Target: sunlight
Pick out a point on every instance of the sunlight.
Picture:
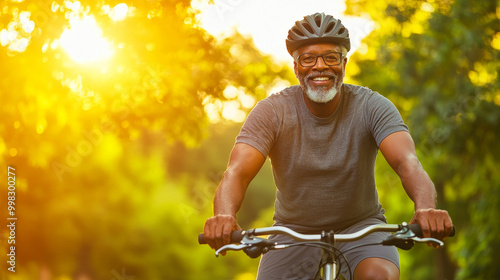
(269, 30)
(84, 42)
(17, 35)
(119, 12)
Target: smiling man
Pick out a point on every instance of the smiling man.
(323, 85)
(322, 137)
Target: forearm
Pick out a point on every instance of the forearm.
(417, 183)
(229, 195)
(399, 150)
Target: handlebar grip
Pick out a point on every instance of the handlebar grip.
(236, 236)
(418, 231)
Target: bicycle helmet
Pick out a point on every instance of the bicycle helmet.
(317, 28)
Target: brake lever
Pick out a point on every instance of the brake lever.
(428, 240)
(261, 246)
(411, 235)
(404, 239)
(234, 247)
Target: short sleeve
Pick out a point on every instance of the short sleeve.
(260, 127)
(383, 118)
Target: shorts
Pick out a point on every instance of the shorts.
(301, 262)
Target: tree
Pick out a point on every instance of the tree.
(439, 62)
(89, 136)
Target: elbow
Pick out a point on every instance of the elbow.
(237, 176)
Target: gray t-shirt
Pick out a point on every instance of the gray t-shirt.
(323, 167)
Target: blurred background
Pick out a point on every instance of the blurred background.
(119, 116)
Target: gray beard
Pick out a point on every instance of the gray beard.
(322, 95)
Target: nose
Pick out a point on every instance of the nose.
(320, 64)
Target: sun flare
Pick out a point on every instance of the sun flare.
(84, 42)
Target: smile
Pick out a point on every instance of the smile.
(321, 79)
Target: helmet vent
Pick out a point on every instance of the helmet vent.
(330, 27)
(298, 31)
(317, 19)
(342, 30)
(308, 28)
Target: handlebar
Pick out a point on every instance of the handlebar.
(415, 228)
(404, 237)
(237, 235)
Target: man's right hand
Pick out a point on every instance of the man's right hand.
(218, 230)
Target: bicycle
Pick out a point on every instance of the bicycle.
(404, 237)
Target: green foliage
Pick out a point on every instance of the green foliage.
(101, 190)
(184, 163)
(439, 62)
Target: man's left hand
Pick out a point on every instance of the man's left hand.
(434, 223)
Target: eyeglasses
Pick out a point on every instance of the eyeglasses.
(310, 59)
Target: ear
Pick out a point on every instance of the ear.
(345, 62)
(295, 69)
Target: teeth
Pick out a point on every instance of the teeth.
(321, 79)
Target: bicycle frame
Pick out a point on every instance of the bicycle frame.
(329, 269)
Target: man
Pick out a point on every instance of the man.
(322, 138)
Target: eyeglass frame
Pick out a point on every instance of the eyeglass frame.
(322, 57)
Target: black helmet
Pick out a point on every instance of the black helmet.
(317, 28)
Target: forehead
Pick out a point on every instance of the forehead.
(319, 48)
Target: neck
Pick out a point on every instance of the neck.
(322, 110)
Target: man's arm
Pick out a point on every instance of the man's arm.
(399, 151)
(244, 163)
